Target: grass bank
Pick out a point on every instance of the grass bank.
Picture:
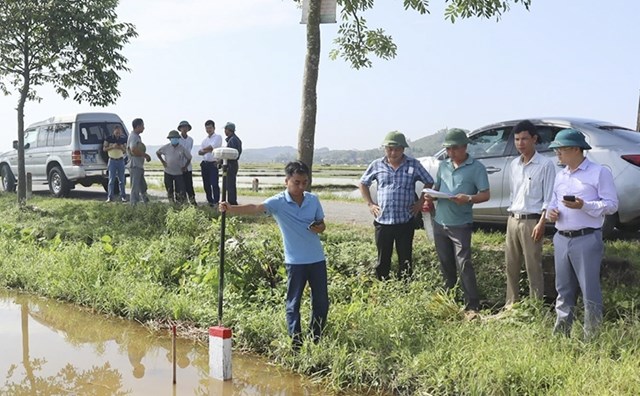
(155, 263)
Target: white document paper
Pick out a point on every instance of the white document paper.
(437, 194)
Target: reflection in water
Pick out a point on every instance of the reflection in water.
(51, 348)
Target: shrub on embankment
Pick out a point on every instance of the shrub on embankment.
(156, 262)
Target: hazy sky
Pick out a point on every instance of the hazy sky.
(242, 61)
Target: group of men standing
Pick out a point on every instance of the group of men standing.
(577, 199)
(176, 159)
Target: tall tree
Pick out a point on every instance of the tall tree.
(356, 42)
(73, 45)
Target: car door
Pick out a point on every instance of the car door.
(490, 147)
(40, 153)
(30, 149)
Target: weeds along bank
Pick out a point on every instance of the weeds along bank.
(156, 262)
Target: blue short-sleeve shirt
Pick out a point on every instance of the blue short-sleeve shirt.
(469, 178)
(301, 246)
(396, 187)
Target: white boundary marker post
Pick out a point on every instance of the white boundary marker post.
(220, 353)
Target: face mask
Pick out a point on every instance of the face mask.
(174, 141)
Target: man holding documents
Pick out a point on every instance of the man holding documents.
(396, 175)
(464, 181)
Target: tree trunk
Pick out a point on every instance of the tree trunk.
(306, 134)
(22, 176)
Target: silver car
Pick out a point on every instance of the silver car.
(63, 151)
(614, 147)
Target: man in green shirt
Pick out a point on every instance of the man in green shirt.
(467, 183)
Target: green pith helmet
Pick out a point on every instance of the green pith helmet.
(455, 137)
(395, 139)
(569, 138)
(173, 134)
(184, 123)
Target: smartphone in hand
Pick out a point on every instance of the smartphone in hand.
(569, 198)
(313, 224)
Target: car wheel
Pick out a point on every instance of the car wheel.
(8, 180)
(59, 185)
(610, 223)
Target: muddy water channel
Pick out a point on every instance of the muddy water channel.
(52, 348)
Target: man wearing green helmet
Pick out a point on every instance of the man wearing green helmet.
(396, 175)
(583, 193)
(467, 183)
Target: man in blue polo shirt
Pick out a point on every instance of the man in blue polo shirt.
(467, 183)
(396, 175)
(300, 218)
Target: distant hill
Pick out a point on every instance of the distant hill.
(427, 145)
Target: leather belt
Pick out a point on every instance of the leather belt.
(577, 233)
(116, 159)
(525, 216)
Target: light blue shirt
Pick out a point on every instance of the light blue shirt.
(301, 245)
(469, 178)
(593, 184)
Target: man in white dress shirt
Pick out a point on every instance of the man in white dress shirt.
(209, 166)
(531, 177)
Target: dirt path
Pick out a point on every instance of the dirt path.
(355, 213)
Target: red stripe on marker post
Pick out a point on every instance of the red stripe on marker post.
(220, 332)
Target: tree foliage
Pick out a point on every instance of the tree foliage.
(356, 41)
(74, 45)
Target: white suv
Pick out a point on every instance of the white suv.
(63, 151)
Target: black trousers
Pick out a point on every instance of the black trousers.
(175, 187)
(232, 173)
(188, 186)
(402, 236)
(210, 181)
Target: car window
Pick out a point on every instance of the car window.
(546, 134)
(43, 134)
(30, 138)
(490, 143)
(94, 133)
(62, 135)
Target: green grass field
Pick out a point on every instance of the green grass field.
(157, 263)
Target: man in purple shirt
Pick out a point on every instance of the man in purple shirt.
(583, 194)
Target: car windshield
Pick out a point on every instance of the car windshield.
(628, 134)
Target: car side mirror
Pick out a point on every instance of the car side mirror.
(15, 144)
(26, 146)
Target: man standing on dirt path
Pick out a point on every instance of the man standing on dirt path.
(300, 218)
(209, 165)
(531, 186)
(396, 175)
(116, 146)
(138, 154)
(583, 194)
(186, 141)
(465, 181)
(233, 141)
